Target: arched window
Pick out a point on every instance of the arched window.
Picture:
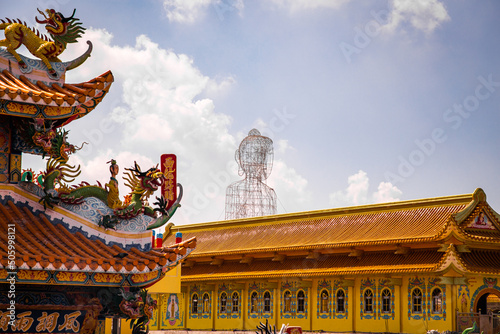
(386, 301)
(437, 300)
(340, 301)
(267, 302)
(368, 297)
(287, 297)
(325, 302)
(416, 300)
(194, 303)
(301, 302)
(223, 302)
(254, 301)
(206, 303)
(236, 302)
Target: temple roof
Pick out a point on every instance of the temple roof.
(405, 222)
(416, 261)
(27, 98)
(49, 249)
(373, 263)
(419, 236)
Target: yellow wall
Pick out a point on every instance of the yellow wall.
(400, 319)
(170, 283)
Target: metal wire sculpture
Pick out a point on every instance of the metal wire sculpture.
(251, 197)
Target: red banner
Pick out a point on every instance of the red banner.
(169, 187)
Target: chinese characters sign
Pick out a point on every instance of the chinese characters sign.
(169, 187)
(38, 321)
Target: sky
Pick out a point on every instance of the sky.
(365, 101)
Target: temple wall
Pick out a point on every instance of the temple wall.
(405, 310)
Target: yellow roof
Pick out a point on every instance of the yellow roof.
(405, 222)
(373, 263)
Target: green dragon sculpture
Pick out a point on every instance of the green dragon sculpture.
(142, 184)
(473, 329)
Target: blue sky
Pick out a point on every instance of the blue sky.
(366, 101)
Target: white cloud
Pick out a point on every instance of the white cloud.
(298, 5)
(290, 187)
(357, 192)
(424, 15)
(386, 193)
(188, 11)
(160, 111)
(219, 86)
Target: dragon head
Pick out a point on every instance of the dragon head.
(144, 183)
(62, 29)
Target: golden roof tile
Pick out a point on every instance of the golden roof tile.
(420, 261)
(402, 222)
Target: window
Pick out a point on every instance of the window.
(386, 301)
(301, 302)
(267, 302)
(437, 300)
(223, 302)
(206, 303)
(325, 302)
(236, 303)
(194, 303)
(368, 296)
(287, 296)
(254, 302)
(416, 299)
(340, 301)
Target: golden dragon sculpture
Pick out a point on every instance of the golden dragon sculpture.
(63, 30)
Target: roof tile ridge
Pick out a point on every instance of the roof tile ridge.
(22, 251)
(478, 196)
(61, 236)
(324, 214)
(104, 247)
(26, 235)
(49, 89)
(40, 228)
(448, 228)
(85, 244)
(316, 246)
(302, 273)
(83, 248)
(8, 83)
(29, 84)
(451, 252)
(94, 244)
(479, 237)
(145, 255)
(128, 262)
(11, 86)
(15, 80)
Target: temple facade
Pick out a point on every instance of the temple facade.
(74, 258)
(403, 267)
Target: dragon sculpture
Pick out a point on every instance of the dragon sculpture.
(63, 30)
(142, 185)
(131, 303)
(49, 141)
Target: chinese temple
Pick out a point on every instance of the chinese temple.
(402, 267)
(72, 256)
